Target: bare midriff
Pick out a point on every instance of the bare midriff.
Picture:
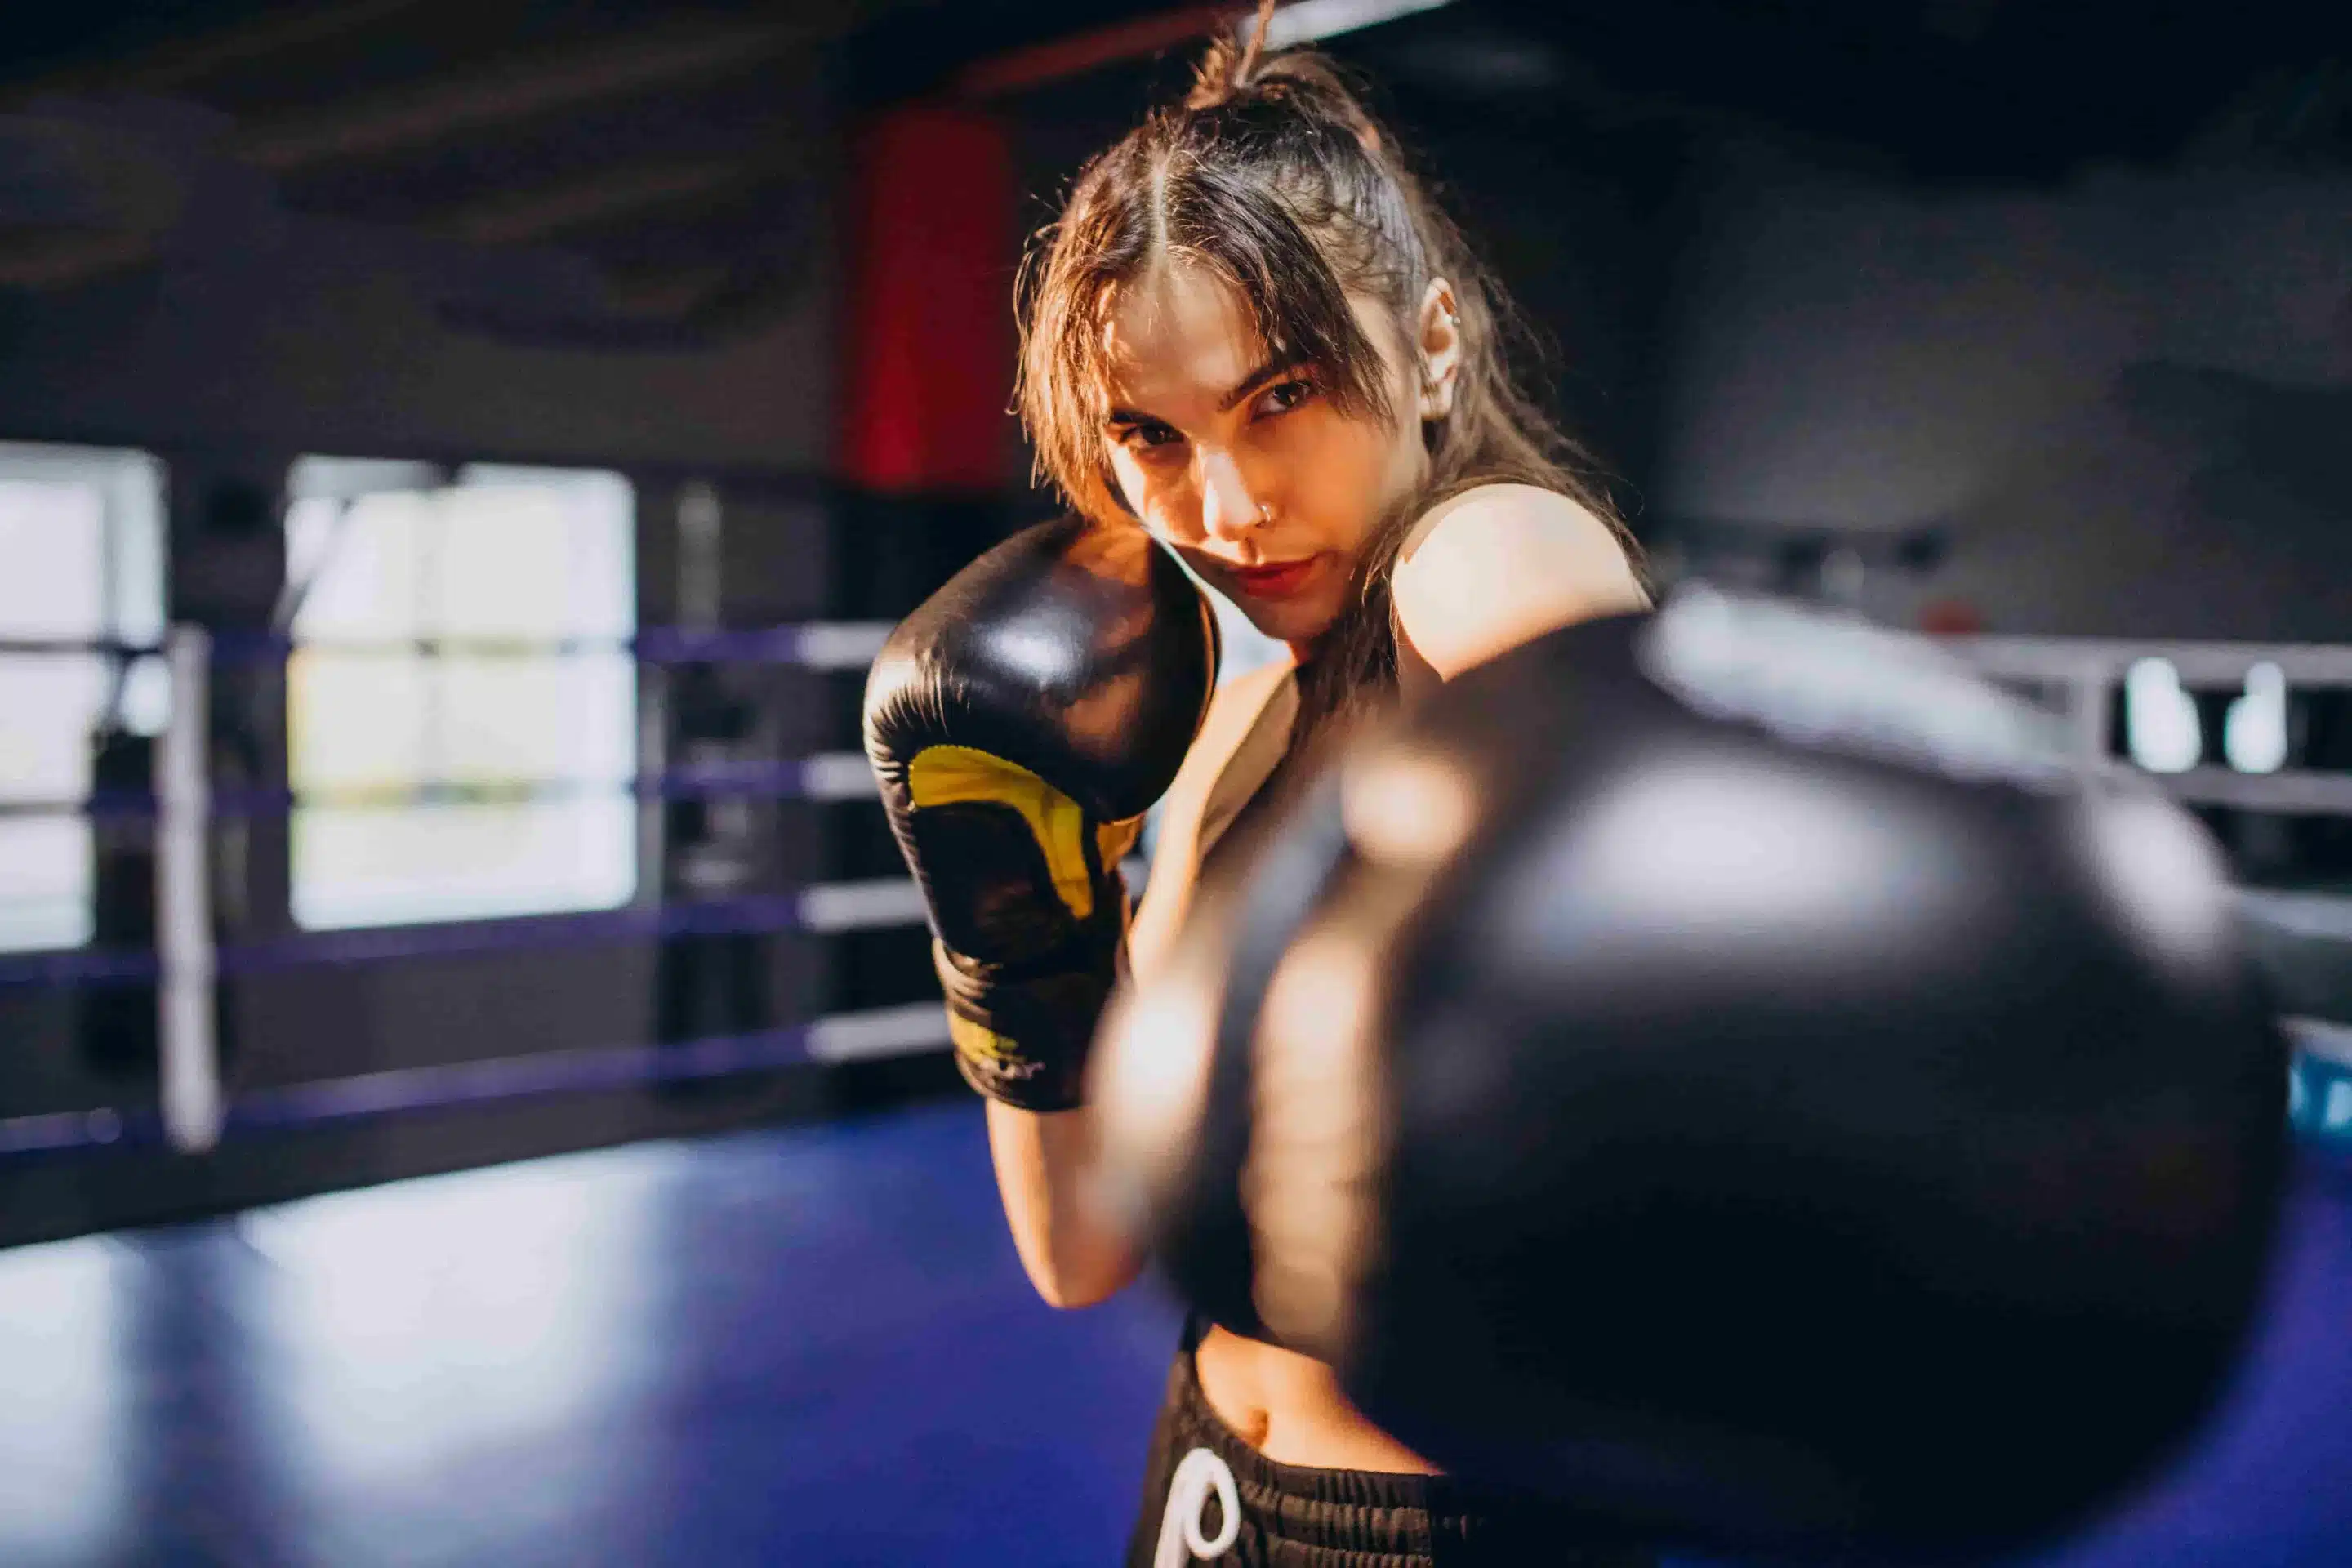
(1289, 1407)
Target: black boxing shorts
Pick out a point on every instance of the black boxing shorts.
(1210, 1498)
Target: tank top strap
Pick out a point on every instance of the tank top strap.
(1251, 766)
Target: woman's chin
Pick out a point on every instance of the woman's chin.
(1294, 622)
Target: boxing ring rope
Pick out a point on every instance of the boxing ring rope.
(839, 1037)
(195, 1110)
(2082, 672)
(830, 648)
(821, 908)
(823, 646)
(821, 776)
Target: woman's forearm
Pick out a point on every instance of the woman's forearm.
(1073, 1253)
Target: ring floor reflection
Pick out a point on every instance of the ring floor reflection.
(810, 1345)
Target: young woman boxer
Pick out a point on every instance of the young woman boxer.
(1253, 336)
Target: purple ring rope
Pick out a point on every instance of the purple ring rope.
(650, 645)
(407, 1091)
(698, 781)
(756, 915)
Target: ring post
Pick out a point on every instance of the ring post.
(184, 927)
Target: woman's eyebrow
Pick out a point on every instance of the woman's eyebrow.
(1271, 370)
(1224, 405)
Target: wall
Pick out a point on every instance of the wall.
(2125, 398)
(262, 324)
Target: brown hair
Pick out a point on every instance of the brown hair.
(1272, 174)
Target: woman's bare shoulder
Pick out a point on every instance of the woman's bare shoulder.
(1486, 570)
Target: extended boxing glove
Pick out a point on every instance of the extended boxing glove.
(1727, 1072)
(1020, 724)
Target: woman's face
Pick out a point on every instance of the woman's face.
(1239, 463)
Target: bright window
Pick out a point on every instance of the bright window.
(449, 761)
(81, 558)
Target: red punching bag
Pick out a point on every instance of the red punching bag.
(930, 342)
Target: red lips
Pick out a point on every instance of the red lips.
(1276, 580)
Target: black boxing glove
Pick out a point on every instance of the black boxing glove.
(1726, 1072)
(1020, 723)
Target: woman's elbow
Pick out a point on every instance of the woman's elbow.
(1070, 1295)
(1074, 1251)
(1072, 1279)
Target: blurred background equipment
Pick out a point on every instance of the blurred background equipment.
(543, 412)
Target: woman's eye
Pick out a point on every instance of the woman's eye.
(1284, 396)
(1148, 437)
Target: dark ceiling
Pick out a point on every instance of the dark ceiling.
(673, 148)
(1995, 84)
(1969, 90)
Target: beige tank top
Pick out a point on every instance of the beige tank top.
(1238, 749)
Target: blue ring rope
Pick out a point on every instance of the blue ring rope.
(2320, 1092)
(648, 644)
(754, 915)
(698, 781)
(408, 1090)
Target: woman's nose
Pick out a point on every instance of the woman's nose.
(1228, 510)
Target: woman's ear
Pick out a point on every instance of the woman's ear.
(1440, 341)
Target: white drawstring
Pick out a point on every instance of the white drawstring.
(1201, 1474)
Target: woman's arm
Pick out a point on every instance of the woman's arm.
(1075, 1256)
(1483, 572)
(1495, 567)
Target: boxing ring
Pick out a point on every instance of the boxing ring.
(194, 1108)
(2079, 679)
(760, 1346)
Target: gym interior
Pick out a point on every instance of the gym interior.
(473, 1083)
